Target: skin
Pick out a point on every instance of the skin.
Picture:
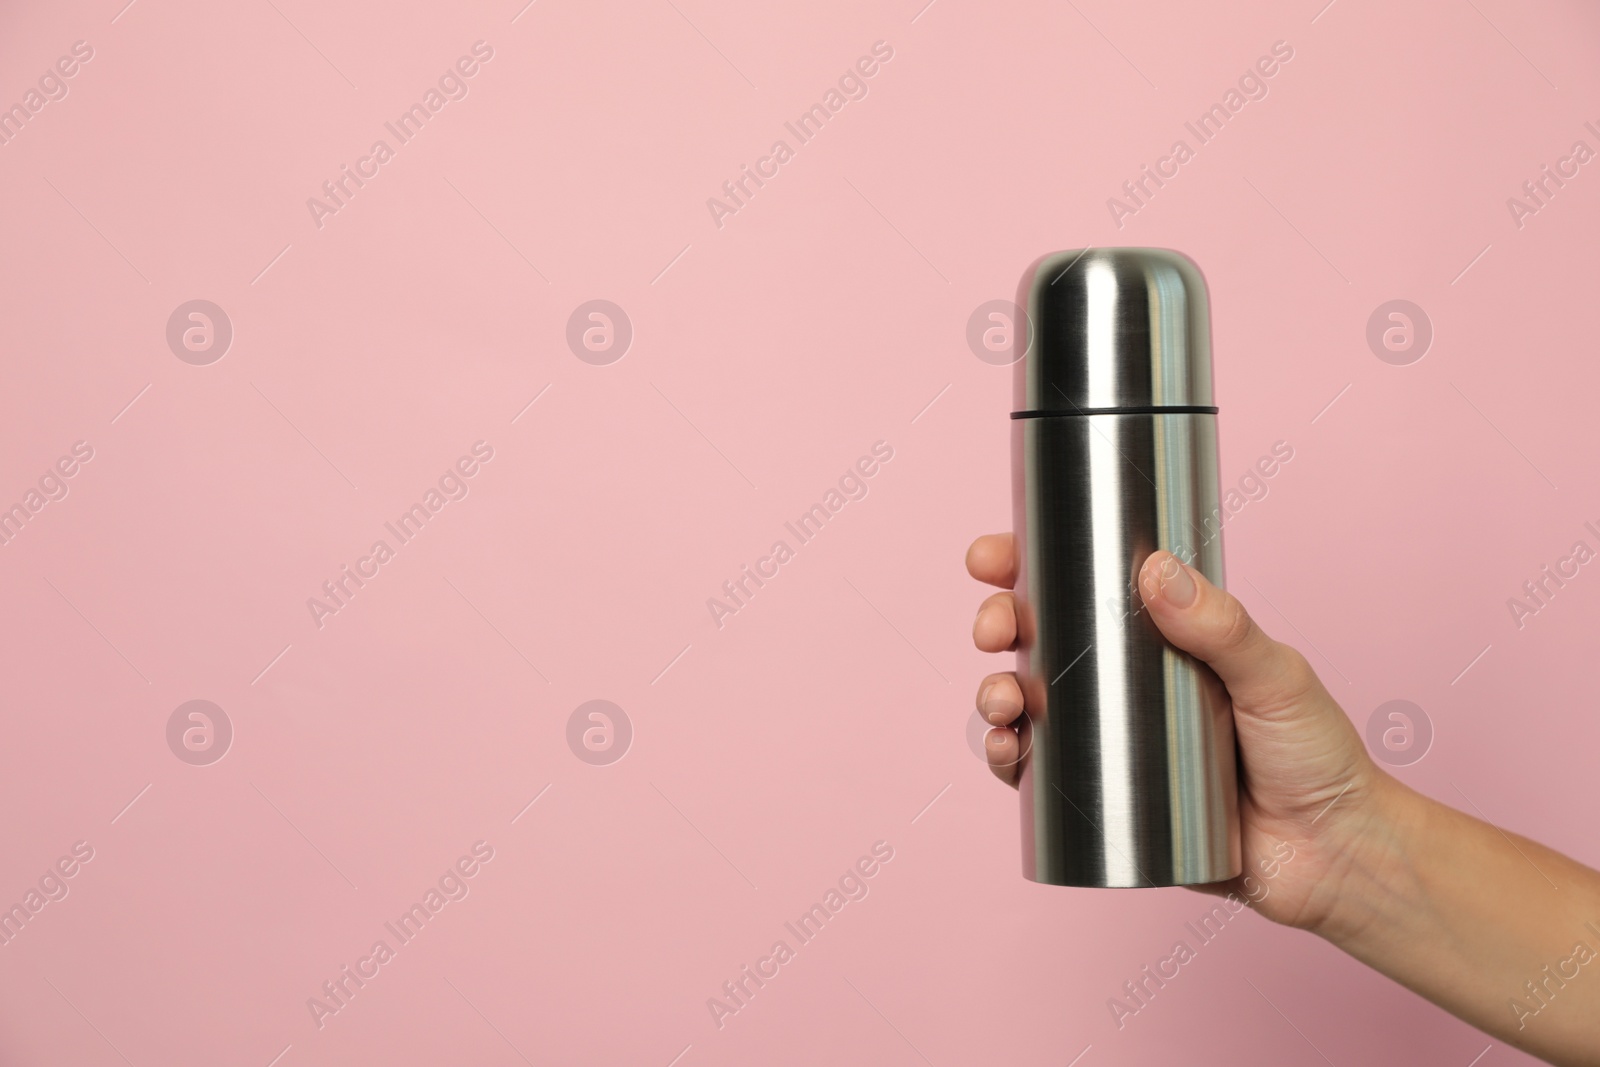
(1459, 911)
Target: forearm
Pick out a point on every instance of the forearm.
(1492, 927)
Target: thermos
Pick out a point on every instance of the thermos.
(1129, 774)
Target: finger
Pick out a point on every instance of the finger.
(992, 559)
(1263, 676)
(1000, 698)
(995, 628)
(1004, 750)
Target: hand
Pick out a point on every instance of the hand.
(1305, 776)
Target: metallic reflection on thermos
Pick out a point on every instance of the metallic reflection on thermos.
(1130, 776)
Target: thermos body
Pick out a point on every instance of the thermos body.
(1129, 775)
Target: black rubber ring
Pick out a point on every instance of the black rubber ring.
(1192, 409)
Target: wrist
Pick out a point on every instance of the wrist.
(1371, 875)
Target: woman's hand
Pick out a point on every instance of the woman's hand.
(1306, 779)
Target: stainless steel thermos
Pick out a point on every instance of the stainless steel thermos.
(1129, 775)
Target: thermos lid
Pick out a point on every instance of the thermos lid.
(1114, 330)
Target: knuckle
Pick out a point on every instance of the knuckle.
(1295, 664)
(1299, 679)
(1235, 628)
(1287, 684)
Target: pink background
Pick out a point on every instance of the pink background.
(828, 314)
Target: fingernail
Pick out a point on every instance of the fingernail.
(983, 698)
(1179, 590)
(996, 738)
(997, 709)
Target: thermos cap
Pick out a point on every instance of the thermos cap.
(1114, 330)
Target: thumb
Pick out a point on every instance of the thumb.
(1263, 676)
